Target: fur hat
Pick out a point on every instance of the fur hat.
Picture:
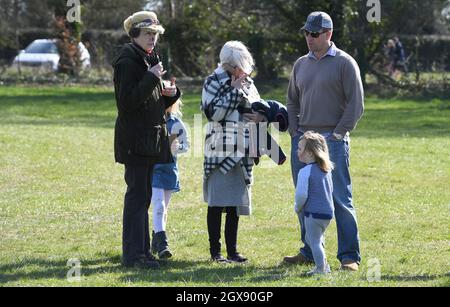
(143, 20)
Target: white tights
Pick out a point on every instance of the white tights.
(160, 203)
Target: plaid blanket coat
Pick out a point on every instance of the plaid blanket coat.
(227, 136)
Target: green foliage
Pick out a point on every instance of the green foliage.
(68, 34)
(108, 14)
(198, 28)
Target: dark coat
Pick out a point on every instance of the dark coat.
(141, 136)
(274, 112)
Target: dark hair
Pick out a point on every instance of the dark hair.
(134, 32)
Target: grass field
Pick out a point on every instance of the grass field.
(61, 197)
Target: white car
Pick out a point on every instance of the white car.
(44, 53)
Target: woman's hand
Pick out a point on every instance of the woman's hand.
(158, 70)
(238, 83)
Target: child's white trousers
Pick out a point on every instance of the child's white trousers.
(160, 203)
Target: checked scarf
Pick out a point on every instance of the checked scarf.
(227, 136)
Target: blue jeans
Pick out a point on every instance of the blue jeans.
(345, 214)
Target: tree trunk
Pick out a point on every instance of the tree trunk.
(417, 59)
(68, 34)
(172, 9)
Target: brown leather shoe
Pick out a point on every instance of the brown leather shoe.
(297, 259)
(349, 265)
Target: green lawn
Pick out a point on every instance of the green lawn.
(61, 197)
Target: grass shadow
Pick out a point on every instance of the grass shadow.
(38, 268)
(424, 277)
(195, 271)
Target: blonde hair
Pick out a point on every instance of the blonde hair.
(175, 109)
(316, 144)
(235, 54)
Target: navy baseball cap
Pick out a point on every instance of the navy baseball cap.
(317, 21)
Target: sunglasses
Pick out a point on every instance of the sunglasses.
(313, 34)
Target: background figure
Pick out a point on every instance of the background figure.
(395, 54)
(390, 53)
(400, 55)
